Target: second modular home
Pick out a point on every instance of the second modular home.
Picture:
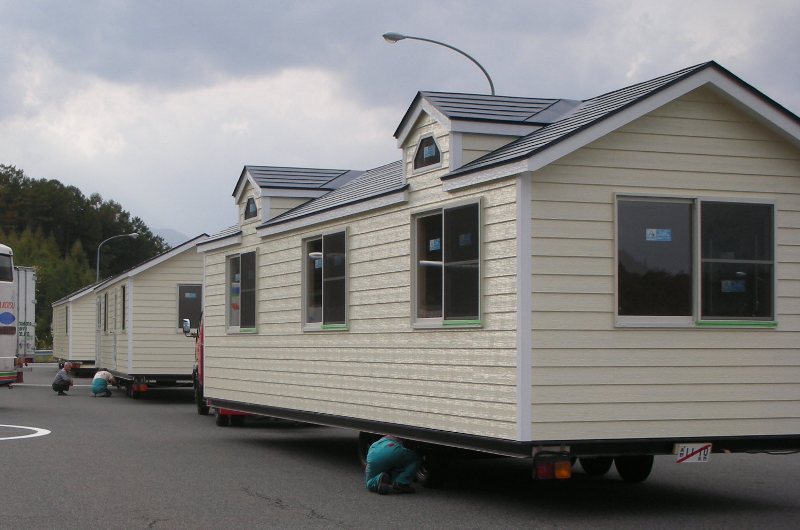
(610, 276)
(130, 324)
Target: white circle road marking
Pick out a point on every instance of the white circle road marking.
(36, 432)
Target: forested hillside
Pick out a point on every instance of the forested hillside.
(56, 229)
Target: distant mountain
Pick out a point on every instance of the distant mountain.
(172, 237)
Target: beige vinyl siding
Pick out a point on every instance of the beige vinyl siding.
(60, 336)
(592, 380)
(460, 380)
(159, 347)
(474, 146)
(279, 205)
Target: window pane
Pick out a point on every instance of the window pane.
(248, 298)
(429, 266)
(234, 291)
(250, 209)
(655, 258)
(333, 273)
(6, 268)
(190, 299)
(736, 231)
(737, 290)
(314, 281)
(427, 153)
(461, 258)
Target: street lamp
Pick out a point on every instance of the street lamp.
(133, 235)
(392, 38)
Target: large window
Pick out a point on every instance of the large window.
(325, 281)
(427, 153)
(447, 271)
(190, 304)
(662, 277)
(242, 291)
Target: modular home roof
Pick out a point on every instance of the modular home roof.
(593, 111)
(234, 230)
(371, 184)
(297, 178)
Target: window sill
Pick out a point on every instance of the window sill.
(326, 327)
(447, 324)
(757, 324)
(240, 331)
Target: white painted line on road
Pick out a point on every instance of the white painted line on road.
(36, 432)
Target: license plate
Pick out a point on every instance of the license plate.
(692, 453)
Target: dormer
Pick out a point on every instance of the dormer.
(264, 192)
(442, 129)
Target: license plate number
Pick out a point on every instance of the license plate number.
(692, 453)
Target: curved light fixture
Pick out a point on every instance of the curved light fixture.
(393, 37)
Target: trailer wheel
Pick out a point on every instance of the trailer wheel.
(634, 468)
(432, 469)
(222, 420)
(596, 466)
(365, 440)
(236, 421)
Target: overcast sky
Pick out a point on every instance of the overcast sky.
(159, 104)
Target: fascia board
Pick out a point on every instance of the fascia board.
(339, 213)
(486, 175)
(219, 243)
(423, 106)
(299, 193)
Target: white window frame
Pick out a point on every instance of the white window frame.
(239, 329)
(695, 319)
(440, 322)
(430, 167)
(321, 326)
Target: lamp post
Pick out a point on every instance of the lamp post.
(392, 38)
(133, 235)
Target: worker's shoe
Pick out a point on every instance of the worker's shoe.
(62, 393)
(385, 485)
(402, 488)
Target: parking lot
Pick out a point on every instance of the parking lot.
(154, 463)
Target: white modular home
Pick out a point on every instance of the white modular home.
(130, 324)
(73, 327)
(616, 277)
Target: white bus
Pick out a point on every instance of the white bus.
(8, 317)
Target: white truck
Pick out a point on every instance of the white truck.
(25, 287)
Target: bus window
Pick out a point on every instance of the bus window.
(6, 269)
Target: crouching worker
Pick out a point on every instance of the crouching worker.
(63, 381)
(100, 383)
(390, 466)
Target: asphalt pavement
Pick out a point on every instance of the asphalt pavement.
(154, 462)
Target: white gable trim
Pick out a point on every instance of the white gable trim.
(336, 214)
(426, 107)
(153, 262)
(524, 187)
(219, 243)
(738, 95)
(237, 193)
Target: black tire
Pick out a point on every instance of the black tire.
(222, 420)
(433, 468)
(236, 421)
(634, 468)
(200, 400)
(365, 440)
(596, 466)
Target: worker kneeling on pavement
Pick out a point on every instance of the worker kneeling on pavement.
(390, 466)
(100, 383)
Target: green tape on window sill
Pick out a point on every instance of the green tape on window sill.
(462, 323)
(334, 327)
(736, 324)
(248, 330)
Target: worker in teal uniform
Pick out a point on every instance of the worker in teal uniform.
(391, 466)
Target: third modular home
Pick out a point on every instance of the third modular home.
(610, 279)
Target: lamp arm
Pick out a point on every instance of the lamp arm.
(465, 54)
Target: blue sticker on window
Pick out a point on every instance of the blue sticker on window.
(429, 151)
(434, 244)
(734, 286)
(658, 234)
(235, 289)
(465, 240)
(190, 296)
(318, 263)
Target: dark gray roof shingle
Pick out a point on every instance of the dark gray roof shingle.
(300, 178)
(369, 185)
